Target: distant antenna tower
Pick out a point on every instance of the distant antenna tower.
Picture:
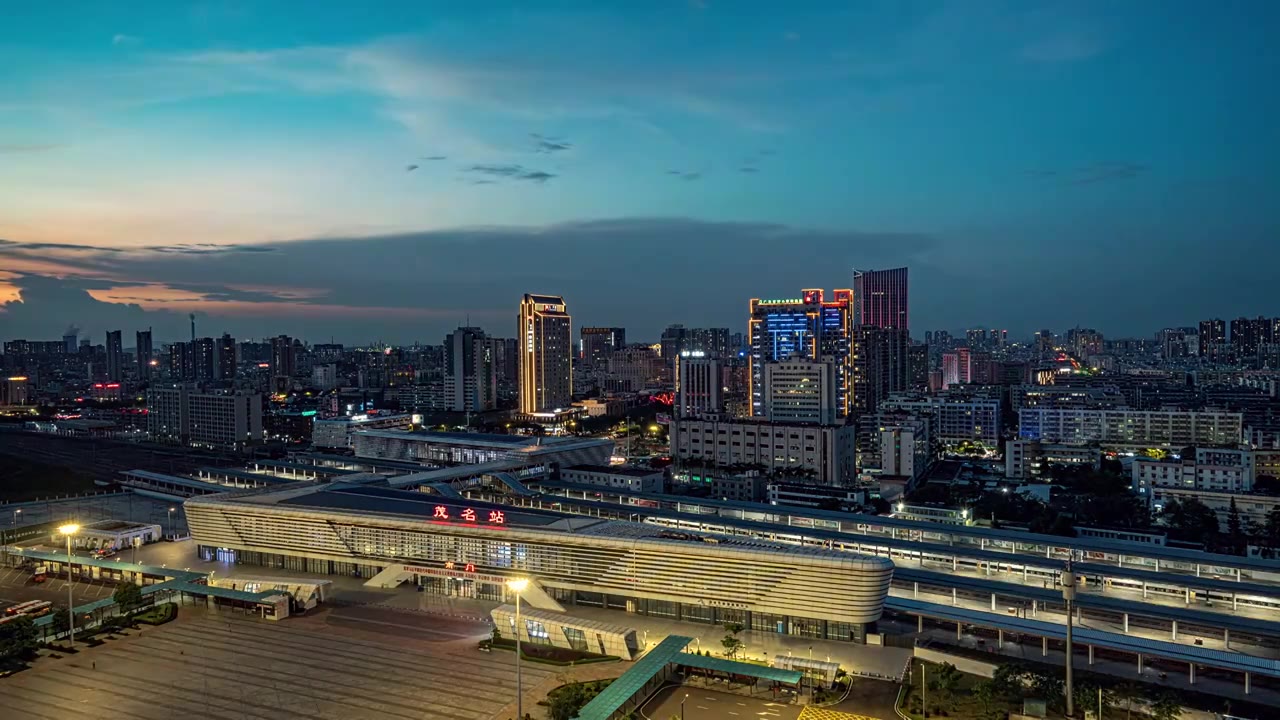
(193, 327)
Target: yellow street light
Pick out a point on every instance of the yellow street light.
(518, 585)
(70, 529)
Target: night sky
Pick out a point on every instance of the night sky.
(376, 171)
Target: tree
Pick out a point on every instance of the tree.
(18, 637)
(731, 642)
(61, 621)
(1191, 520)
(986, 693)
(945, 681)
(1164, 706)
(1007, 680)
(1235, 530)
(1126, 693)
(127, 595)
(1272, 531)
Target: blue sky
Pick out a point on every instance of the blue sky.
(1033, 163)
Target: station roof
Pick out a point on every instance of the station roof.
(286, 465)
(110, 564)
(1086, 636)
(451, 474)
(633, 680)
(177, 480)
(409, 503)
(1008, 590)
(733, 667)
(246, 475)
(1085, 544)
(963, 550)
(319, 457)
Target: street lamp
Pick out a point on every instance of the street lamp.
(686, 697)
(69, 530)
(1069, 596)
(517, 586)
(171, 521)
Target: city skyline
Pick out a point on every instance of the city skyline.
(384, 176)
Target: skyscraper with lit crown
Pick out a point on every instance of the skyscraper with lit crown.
(545, 335)
(810, 326)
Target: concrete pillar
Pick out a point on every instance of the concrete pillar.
(1024, 573)
(953, 596)
(999, 638)
(959, 625)
(1090, 654)
(993, 602)
(1191, 667)
(1144, 591)
(1175, 629)
(1197, 569)
(1237, 574)
(953, 563)
(915, 589)
(919, 623)
(1226, 637)
(1157, 564)
(988, 569)
(1247, 682)
(1044, 646)
(1048, 551)
(1188, 596)
(1035, 606)
(1139, 663)
(1234, 606)
(1126, 623)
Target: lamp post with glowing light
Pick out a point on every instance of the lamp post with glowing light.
(517, 586)
(171, 521)
(69, 530)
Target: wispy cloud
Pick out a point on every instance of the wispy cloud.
(33, 148)
(179, 249)
(122, 39)
(547, 145)
(513, 172)
(686, 174)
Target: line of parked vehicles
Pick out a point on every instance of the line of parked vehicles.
(32, 609)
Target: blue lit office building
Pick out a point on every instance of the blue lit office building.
(809, 326)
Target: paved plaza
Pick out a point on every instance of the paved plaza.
(348, 663)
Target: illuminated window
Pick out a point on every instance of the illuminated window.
(537, 631)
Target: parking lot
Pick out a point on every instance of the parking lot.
(351, 663)
(16, 587)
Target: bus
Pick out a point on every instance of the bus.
(40, 609)
(34, 608)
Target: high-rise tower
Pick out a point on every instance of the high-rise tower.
(546, 350)
(882, 298)
(115, 357)
(810, 327)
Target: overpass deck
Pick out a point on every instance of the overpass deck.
(1086, 636)
(1096, 601)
